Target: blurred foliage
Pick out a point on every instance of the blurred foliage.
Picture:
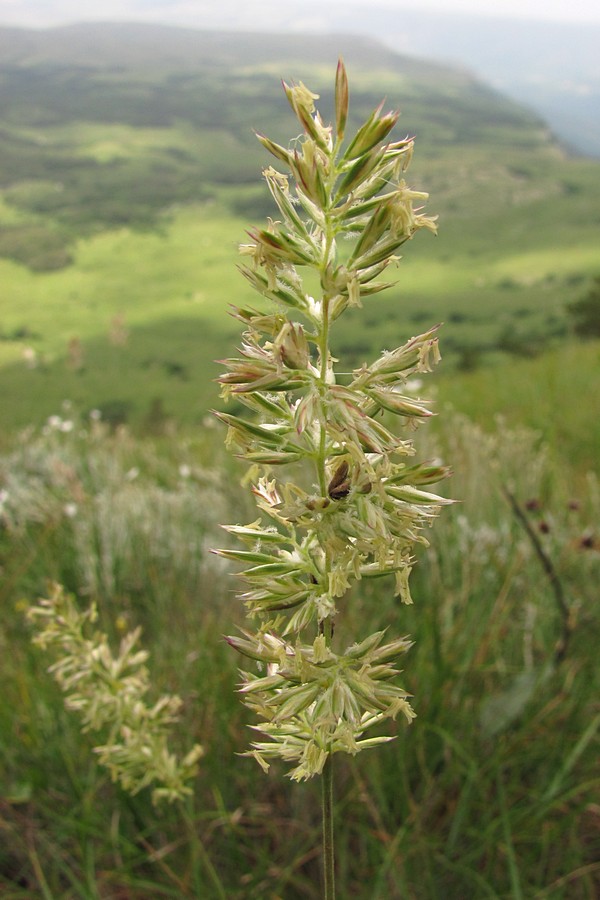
(585, 312)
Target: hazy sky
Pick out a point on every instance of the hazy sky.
(272, 14)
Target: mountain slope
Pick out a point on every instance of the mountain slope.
(129, 171)
(190, 101)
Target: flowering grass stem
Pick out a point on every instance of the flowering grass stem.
(328, 831)
(359, 515)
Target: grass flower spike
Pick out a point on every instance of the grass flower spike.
(338, 501)
(108, 691)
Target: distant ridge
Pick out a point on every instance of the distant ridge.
(160, 51)
(141, 45)
(551, 68)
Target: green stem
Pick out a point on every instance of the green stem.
(328, 850)
(198, 853)
(324, 354)
(327, 625)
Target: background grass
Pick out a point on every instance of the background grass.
(489, 793)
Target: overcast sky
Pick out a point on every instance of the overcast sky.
(272, 14)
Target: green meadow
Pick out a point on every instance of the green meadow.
(124, 193)
(141, 317)
(128, 178)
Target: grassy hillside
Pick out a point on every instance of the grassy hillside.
(129, 172)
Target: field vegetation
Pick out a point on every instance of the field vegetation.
(127, 179)
(490, 793)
